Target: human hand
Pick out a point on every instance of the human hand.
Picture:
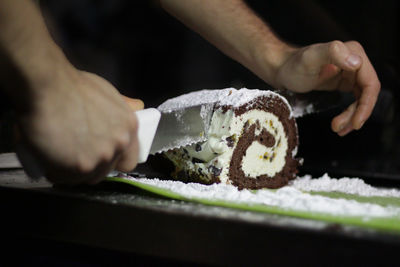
(333, 66)
(79, 128)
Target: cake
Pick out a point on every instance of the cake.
(251, 141)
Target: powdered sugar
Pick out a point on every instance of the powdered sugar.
(224, 97)
(347, 185)
(291, 197)
(300, 109)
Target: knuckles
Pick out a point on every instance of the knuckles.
(85, 164)
(106, 155)
(133, 123)
(308, 58)
(124, 168)
(378, 85)
(335, 47)
(106, 151)
(122, 140)
(355, 45)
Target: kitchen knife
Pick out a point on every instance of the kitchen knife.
(157, 132)
(307, 103)
(182, 127)
(162, 131)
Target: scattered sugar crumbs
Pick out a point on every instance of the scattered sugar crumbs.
(294, 196)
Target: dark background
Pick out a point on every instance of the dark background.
(148, 54)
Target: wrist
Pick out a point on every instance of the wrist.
(32, 73)
(29, 58)
(47, 69)
(268, 59)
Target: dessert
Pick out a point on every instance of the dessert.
(251, 141)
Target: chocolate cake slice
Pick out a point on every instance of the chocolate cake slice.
(251, 142)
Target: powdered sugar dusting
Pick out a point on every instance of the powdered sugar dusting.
(223, 97)
(290, 197)
(347, 185)
(300, 109)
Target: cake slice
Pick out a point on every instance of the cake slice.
(252, 140)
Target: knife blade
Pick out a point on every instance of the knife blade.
(181, 128)
(161, 131)
(189, 125)
(307, 103)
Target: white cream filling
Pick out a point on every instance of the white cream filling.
(259, 159)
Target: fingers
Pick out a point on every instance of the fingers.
(335, 52)
(342, 121)
(125, 157)
(329, 71)
(101, 171)
(366, 104)
(358, 76)
(368, 82)
(134, 104)
(129, 156)
(347, 129)
(366, 87)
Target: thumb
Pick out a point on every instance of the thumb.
(335, 52)
(134, 103)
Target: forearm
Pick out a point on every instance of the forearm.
(27, 52)
(236, 30)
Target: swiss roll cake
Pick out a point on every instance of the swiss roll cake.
(251, 142)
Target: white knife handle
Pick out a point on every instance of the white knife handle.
(148, 120)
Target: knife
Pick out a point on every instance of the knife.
(182, 127)
(160, 131)
(308, 103)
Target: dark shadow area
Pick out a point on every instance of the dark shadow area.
(148, 54)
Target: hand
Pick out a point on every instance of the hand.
(79, 128)
(333, 66)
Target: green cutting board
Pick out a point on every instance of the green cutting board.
(387, 224)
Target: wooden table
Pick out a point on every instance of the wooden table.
(116, 223)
